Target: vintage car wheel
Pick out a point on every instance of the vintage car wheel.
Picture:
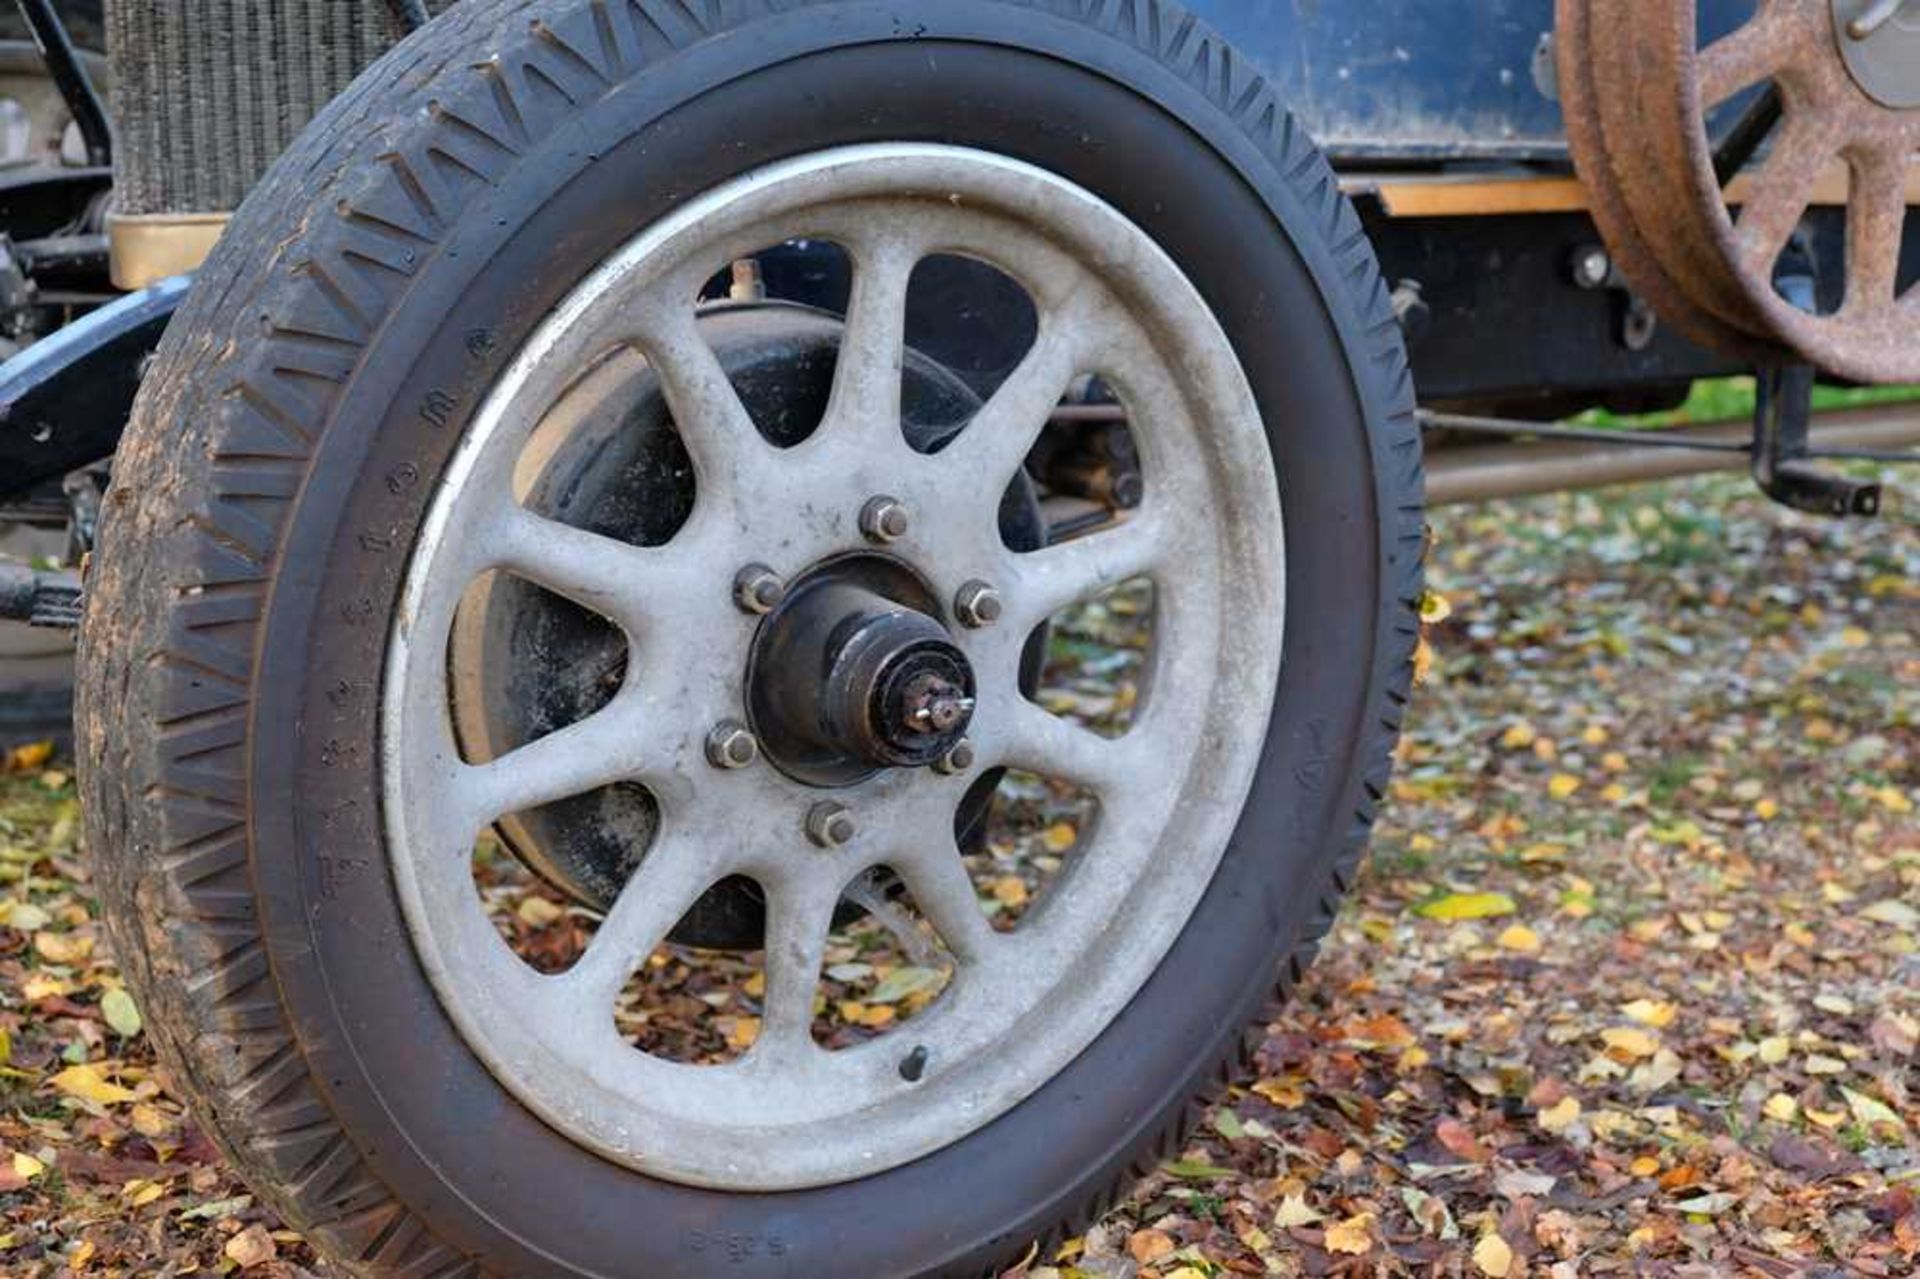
(505, 224)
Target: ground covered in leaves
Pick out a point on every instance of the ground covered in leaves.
(1631, 984)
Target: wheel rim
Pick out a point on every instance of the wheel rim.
(1635, 94)
(1021, 1005)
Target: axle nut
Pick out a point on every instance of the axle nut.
(977, 605)
(731, 745)
(758, 589)
(884, 519)
(830, 824)
(957, 760)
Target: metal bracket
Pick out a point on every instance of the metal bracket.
(1781, 411)
(39, 598)
(64, 400)
(1780, 467)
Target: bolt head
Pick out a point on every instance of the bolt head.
(830, 824)
(757, 589)
(1591, 268)
(884, 519)
(977, 604)
(732, 744)
(957, 760)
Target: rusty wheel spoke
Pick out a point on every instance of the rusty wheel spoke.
(1742, 58)
(1876, 212)
(1781, 191)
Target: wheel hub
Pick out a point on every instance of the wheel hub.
(1879, 40)
(853, 673)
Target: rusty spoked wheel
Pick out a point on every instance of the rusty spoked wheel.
(1636, 87)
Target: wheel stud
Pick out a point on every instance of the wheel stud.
(884, 519)
(758, 589)
(731, 745)
(830, 824)
(977, 605)
(957, 760)
(914, 1064)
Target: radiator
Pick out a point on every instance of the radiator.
(206, 94)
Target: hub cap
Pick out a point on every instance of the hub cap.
(897, 676)
(852, 674)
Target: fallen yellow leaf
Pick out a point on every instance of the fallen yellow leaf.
(26, 1165)
(538, 912)
(1280, 1092)
(1560, 1116)
(1059, 837)
(1781, 1107)
(1561, 785)
(1651, 1012)
(150, 1121)
(63, 948)
(87, 1083)
(1353, 1236)
(1630, 1041)
(23, 759)
(1521, 938)
(1467, 906)
(1493, 1256)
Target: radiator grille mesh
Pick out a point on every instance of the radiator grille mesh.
(208, 92)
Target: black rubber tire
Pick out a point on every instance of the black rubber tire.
(281, 456)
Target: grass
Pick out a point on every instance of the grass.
(1732, 399)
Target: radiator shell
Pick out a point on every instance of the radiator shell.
(208, 92)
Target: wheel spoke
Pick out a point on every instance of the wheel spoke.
(727, 449)
(866, 379)
(944, 891)
(1741, 58)
(1002, 433)
(1780, 193)
(604, 748)
(671, 876)
(1038, 741)
(1043, 582)
(799, 916)
(1876, 216)
(625, 583)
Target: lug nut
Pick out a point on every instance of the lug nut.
(884, 519)
(758, 589)
(977, 605)
(830, 824)
(731, 745)
(957, 760)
